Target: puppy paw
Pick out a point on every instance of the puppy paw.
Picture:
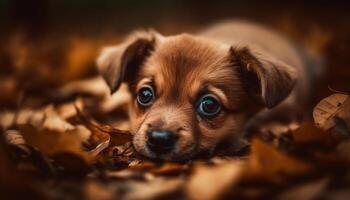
(280, 134)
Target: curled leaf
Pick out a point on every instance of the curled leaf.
(105, 132)
(326, 109)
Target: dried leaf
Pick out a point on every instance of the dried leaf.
(7, 119)
(272, 165)
(105, 132)
(343, 118)
(53, 121)
(51, 142)
(326, 109)
(343, 150)
(308, 133)
(169, 169)
(69, 110)
(15, 138)
(212, 182)
(95, 87)
(9, 90)
(97, 191)
(158, 188)
(23, 116)
(305, 191)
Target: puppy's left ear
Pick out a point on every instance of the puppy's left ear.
(121, 63)
(265, 79)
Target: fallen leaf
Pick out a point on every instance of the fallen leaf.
(343, 150)
(344, 116)
(273, 165)
(95, 86)
(15, 138)
(23, 116)
(326, 109)
(53, 121)
(9, 90)
(105, 132)
(69, 110)
(51, 142)
(7, 119)
(210, 183)
(96, 191)
(305, 191)
(308, 133)
(156, 189)
(169, 169)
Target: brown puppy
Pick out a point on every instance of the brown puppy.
(192, 92)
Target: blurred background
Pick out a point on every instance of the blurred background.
(47, 43)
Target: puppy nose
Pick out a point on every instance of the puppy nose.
(161, 141)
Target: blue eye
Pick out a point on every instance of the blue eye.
(208, 106)
(145, 96)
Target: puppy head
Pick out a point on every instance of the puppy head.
(189, 93)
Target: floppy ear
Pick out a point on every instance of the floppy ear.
(121, 63)
(266, 80)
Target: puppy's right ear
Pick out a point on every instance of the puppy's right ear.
(121, 63)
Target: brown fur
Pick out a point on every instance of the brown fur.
(183, 67)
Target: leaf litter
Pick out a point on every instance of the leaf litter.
(73, 143)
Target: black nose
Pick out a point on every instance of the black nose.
(161, 141)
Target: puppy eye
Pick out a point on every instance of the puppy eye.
(145, 96)
(208, 106)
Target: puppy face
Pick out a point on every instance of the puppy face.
(189, 93)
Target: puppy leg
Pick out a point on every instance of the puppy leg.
(275, 123)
